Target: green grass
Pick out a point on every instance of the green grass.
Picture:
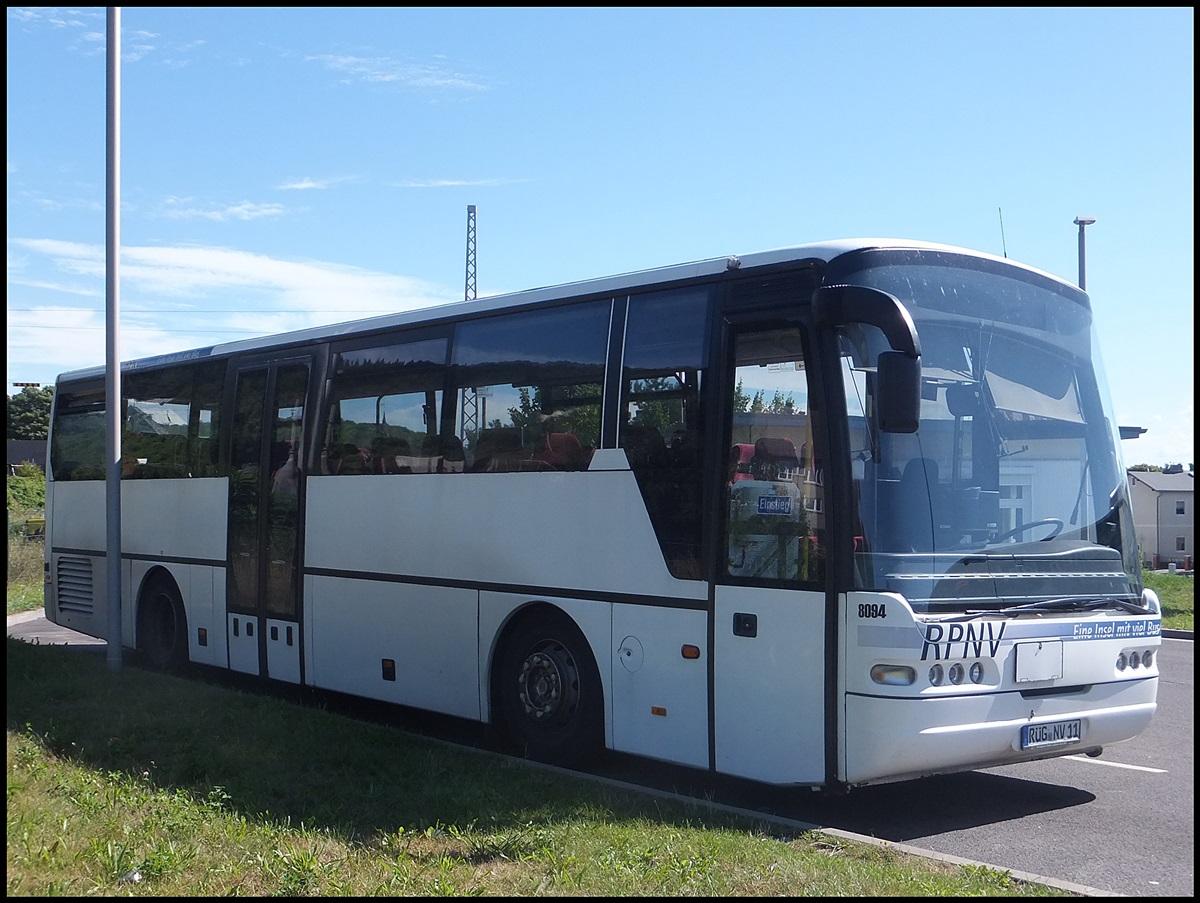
(25, 581)
(1177, 593)
(130, 781)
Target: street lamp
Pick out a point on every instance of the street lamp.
(1081, 222)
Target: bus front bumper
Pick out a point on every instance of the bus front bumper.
(891, 738)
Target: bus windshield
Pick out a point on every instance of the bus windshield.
(1010, 490)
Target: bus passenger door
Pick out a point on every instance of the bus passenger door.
(769, 601)
(263, 606)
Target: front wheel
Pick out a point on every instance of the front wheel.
(548, 691)
(162, 626)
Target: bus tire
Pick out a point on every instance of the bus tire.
(548, 691)
(162, 626)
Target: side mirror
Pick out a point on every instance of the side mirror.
(898, 392)
(898, 389)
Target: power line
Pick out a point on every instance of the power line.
(203, 329)
(237, 310)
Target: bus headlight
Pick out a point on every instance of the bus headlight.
(956, 674)
(936, 675)
(976, 672)
(1134, 661)
(893, 675)
(1121, 662)
(1148, 658)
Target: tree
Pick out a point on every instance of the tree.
(741, 401)
(28, 414)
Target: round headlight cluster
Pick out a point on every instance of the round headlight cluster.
(956, 674)
(1135, 660)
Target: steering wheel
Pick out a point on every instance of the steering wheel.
(1026, 527)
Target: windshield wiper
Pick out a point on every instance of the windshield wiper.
(1068, 603)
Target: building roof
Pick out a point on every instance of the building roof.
(1164, 482)
(22, 450)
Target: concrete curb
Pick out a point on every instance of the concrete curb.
(21, 617)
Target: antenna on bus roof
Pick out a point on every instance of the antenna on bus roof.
(470, 292)
(1002, 242)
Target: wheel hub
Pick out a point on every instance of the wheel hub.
(548, 685)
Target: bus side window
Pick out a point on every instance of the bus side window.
(562, 451)
(348, 458)
(524, 381)
(662, 416)
(384, 404)
(170, 420)
(444, 454)
(498, 450)
(391, 454)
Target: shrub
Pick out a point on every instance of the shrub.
(26, 489)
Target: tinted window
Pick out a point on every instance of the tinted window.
(170, 422)
(384, 410)
(529, 388)
(169, 425)
(662, 415)
(78, 434)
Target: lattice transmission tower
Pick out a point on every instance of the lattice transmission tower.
(472, 403)
(470, 293)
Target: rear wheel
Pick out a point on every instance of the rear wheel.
(548, 691)
(162, 626)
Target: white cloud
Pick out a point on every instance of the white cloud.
(246, 210)
(175, 298)
(55, 17)
(456, 183)
(383, 70)
(308, 183)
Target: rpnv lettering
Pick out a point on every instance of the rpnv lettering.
(944, 641)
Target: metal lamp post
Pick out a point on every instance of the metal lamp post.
(1082, 222)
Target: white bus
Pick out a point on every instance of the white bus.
(832, 515)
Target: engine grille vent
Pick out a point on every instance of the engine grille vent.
(74, 584)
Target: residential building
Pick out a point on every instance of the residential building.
(1164, 516)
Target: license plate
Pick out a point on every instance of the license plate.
(1056, 733)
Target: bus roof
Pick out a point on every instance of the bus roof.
(824, 251)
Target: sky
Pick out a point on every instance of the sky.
(288, 167)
